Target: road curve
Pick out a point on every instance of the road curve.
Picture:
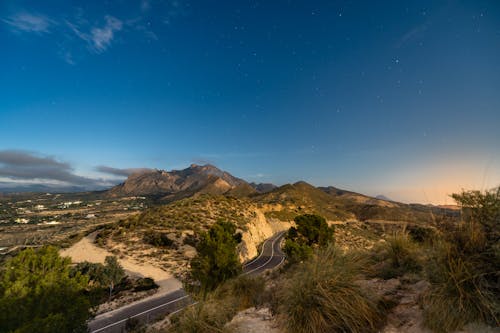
(270, 257)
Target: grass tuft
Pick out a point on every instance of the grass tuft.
(464, 286)
(398, 256)
(321, 296)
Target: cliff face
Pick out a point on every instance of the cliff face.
(258, 230)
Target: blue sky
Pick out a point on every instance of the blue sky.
(400, 99)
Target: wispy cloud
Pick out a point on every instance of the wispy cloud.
(75, 33)
(414, 32)
(28, 22)
(99, 38)
(67, 56)
(119, 172)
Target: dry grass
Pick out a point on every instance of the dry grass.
(397, 256)
(208, 316)
(464, 281)
(219, 307)
(321, 295)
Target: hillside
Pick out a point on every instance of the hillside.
(282, 203)
(288, 201)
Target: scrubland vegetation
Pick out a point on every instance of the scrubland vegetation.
(325, 289)
(464, 267)
(322, 288)
(42, 292)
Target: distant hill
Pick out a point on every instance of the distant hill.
(263, 187)
(338, 204)
(300, 198)
(382, 197)
(176, 184)
(283, 203)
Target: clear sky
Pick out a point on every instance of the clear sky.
(400, 98)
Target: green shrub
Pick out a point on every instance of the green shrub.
(311, 231)
(463, 268)
(106, 276)
(191, 240)
(314, 229)
(321, 296)
(145, 284)
(158, 239)
(421, 234)
(297, 252)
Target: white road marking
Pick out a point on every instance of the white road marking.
(268, 261)
(186, 296)
(139, 314)
(260, 255)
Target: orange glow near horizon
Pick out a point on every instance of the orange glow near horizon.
(433, 183)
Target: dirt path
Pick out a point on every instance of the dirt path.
(86, 250)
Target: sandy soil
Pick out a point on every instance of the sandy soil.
(86, 250)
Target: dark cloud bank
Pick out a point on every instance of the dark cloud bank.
(27, 171)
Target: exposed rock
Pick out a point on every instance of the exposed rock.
(406, 316)
(259, 229)
(253, 321)
(188, 251)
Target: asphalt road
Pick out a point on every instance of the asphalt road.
(115, 321)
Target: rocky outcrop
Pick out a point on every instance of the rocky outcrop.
(253, 321)
(258, 230)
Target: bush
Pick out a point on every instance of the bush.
(321, 296)
(314, 229)
(102, 276)
(145, 284)
(158, 239)
(421, 234)
(311, 231)
(191, 240)
(297, 252)
(401, 256)
(463, 269)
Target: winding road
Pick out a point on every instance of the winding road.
(270, 257)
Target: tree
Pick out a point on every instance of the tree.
(314, 229)
(217, 258)
(113, 273)
(39, 293)
(311, 231)
(104, 276)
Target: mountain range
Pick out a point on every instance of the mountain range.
(177, 184)
(331, 202)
